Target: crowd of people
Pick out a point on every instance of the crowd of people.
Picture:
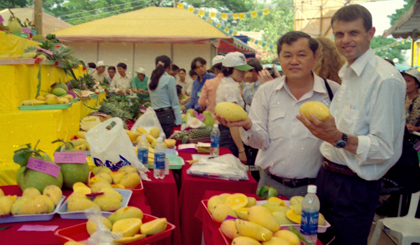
(345, 156)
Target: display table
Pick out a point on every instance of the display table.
(13, 237)
(162, 196)
(192, 192)
(211, 232)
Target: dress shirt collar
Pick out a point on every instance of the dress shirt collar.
(358, 65)
(319, 86)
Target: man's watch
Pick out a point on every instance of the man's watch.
(343, 142)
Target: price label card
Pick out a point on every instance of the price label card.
(70, 157)
(43, 167)
(38, 228)
(45, 51)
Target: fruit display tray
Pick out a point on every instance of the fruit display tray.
(31, 217)
(79, 233)
(64, 214)
(175, 162)
(47, 107)
(321, 228)
(136, 190)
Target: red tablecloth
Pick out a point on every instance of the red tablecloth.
(162, 196)
(211, 232)
(192, 192)
(13, 237)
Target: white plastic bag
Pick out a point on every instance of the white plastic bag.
(102, 235)
(148, 121)
(110, 146)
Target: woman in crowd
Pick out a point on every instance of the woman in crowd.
(163, 95)
(234, 67)
(329, 61)
(412, 100)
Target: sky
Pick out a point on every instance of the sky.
(380, 10)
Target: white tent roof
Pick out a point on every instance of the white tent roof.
(407, 25)
(49, 23)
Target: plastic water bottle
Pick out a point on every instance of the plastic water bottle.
(215, 138)
(143, 150)
(310, 213)
(160, 155)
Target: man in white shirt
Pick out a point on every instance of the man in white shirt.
(121, 84)
(184, 81)
(363, 137)
(99, 74)
(288, 156)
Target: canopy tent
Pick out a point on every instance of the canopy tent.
(407, 25)
(237, 44)
(49, 23)
(151, 25)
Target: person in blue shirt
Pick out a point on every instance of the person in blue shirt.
(163, 95)
(199, 65)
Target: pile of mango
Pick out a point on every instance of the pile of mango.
(31, 201)
(126, 177)
(151, 137)
(59, 95)
(80, 143)
(257, 223)
(128, 221)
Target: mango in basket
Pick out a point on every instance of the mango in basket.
(229, 229)
(81, 188)
(128, 169)
(245, 240)
(288, 236)
(128, 240)
(31, 192)
(6, 203)
(47, 201)
(35, 206)
(101, 169)
(253, 230)
(116, 177)
(154, 227)
(221, 211)
(80, 204)
(128, 227)
(130, 181)
(107, 202)
(53, 192)
(125, 213)
(98, 186)
(19, 203)
(262, 216)
(276, 241)
(213, 201)
(91, 227)
(237, 200)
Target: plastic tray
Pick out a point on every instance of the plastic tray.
(136, 190)
(47, 107)
(64, 214)
(321, 228)
(79, 233)
(31, 217)
(175, 162)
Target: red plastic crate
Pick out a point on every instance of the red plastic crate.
(137, 190)
(79, 233)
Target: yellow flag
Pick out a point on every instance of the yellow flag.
(212, 14)
(266, 11)
(235, 33)
(219, 25)
(180, 5)
(259, 42)
(252, 40)
(235, 16)
(191, 9)
(242, 16)
(201, 12)
(224, 16)
(402, 41)
(254, 14)
(275, 48)
(210, 20)
(226, 29)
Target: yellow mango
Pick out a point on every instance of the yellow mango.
(35, 206)
(130, 240)
(107, 202)
(253, 230)
(242, 213)
(6, 203)
(251, 202)
(154, 132)
(221, 211)
(288, 236)
(53, 192)
(214, 200)
(80, 204)
(276, 241)
(131, 180)
(125, 213)
(47, 201)
(228, 228)
(318, 109)
(116, 177)
(31, 192)
(243, 240)
(154, 227)
(231, 111)
(128, 227)
(291, 214)
(237, 200)
(276, 199)
(141, 130)
(105, 176)
(262, 216)
(282, 218)
(91, 227)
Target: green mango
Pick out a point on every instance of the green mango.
(208, 121)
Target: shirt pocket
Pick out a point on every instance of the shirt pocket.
(275, 122)
(348, 119)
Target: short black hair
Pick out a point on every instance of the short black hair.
(182, 69)
(256, 64)
(353, 12)
(175, 67)
(122, 65)
(293, 36)
(218, 66)
(91, 65)
(192, 73)
(199, 59)
(111, 68)
(227, 71)
(178, 89)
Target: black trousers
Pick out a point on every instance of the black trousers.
(348, 203)
(167, 121)
(226, 140)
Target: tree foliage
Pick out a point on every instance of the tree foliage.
(13, 3)
(392, 52)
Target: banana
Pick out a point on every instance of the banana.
(39, 102)
(27, 102)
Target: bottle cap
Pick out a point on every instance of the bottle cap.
(311, 188)
(215, 125)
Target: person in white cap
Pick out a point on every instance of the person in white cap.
(207, 98)
(412, 100)
(99, 74)
(139, 84)
(234, 67)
